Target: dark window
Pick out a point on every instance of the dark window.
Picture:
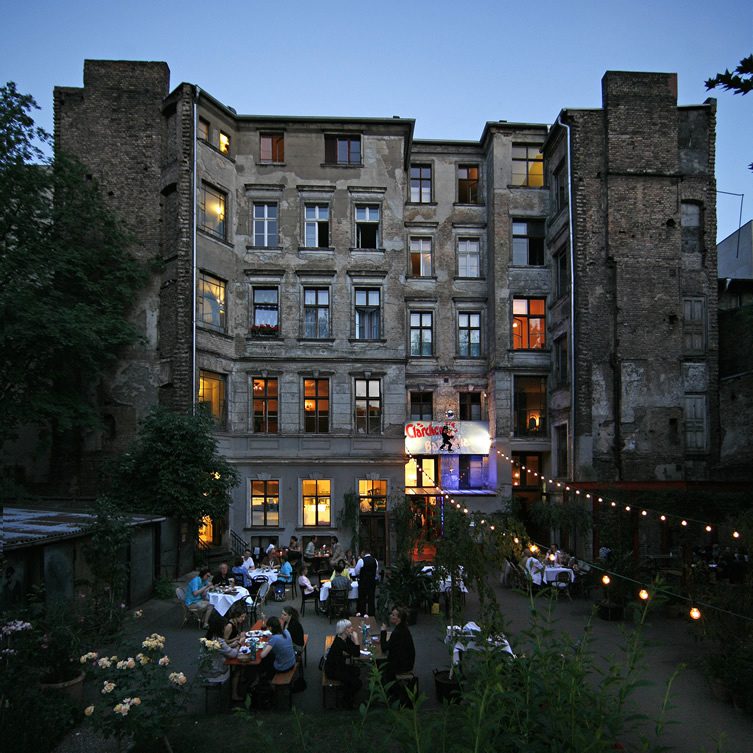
(469, 334)
(266, 405)
(468, 184)
(528, 242)
(472, 472)
(368, 417)
(265, 503)
(420, 257)
(420, 184)
(561, 361)
(316, 406)
(203, 132)
(265, 224)
(266, 310)
(530, 406)
(317, 225)
(212, 395)
(691, 227)
(421, 408)
(342, 150)
(560, 186)
(367, 226)
(694, 325)
(525, 464)
(470, 406)
(368, 313)
(421, 331)
(528, 323)
(527, 166)
(271, 147)
(211, 301)
(212, 203)
(316, 312)
(560, 437)
(562, 272)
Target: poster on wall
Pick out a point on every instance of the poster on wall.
(447, 437)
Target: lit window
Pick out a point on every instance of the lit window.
(691, 227)
(316, 406)
(526, 478)
(316, 502)
(212, 395)
(694, 325)
(468, 184)
(342, 150)
(472, 472)
(527, 166)
(420, 257)
(265, 503)
(224, 143)
(372, 496)
(528, 243)
(528, 323)
(203, 132)
(368, 313)
(271, 147)
(469, 257)
(470, 406)
(212, 204)
(211, 301)
(367, 226)
(266, 310)
(265, 402)
(265, 224)
(421, 472)
(317, 225)
(421, 406)
(469, 334)
(421, 332)
(420, 184)
(529, 408)
(368, 404)
(316, 312)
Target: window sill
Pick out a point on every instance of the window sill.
(529, 188)
(216, 149)
(212, 331)
(479, 357)
(329, 340)
(264, 339)
(366, 250)
(264, 163)
(545, 349)
(472, 279)
(478, 204)
(421, 277)
(263, 528)
(212, 236)
(528, 266)
(366, 340)
(315, 249)
(420, 203)
(422, 358)
(263, 248)
(341, 164)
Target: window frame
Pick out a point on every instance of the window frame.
(691, 235)
(421, 328)
(460, 253)
(224, 140)
(366, 423)
(419, 255)
(521, 459)
(262, 421)
(266, 237)
(538, 252)
(483, 470)
(561, 451)
(315, 223)
(472, 325)
(368, 500)
(205, 127)
(318, 418)
(422, 183)
(201, 297)
(694, 327)
(537, 413)
(560, 187)
(276, 147)
(317, 307)
(318, 494)
(266, 495)
(530, 178)
(525, 334)
(561, 361)
(420, 415)
(206, 376)
(369, 310)
(561, 270)
(693, 425)
(208, 190)
(259, 329)
(470, 185)
(466, 406)
(360, 225)
(333, 144)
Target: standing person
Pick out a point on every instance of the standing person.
(196, 600)
(366, 572)
(535, 569)
(399, 648)
(335, 666)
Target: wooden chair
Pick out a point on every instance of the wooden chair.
(180, 595)
(313, 596)
(337, 605)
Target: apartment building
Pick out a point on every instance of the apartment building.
(369, 315)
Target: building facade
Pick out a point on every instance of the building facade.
(368, 315)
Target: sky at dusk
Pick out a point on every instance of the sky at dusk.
(450, 65)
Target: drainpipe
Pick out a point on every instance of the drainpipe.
(194, 271)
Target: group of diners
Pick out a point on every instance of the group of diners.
(536, 563)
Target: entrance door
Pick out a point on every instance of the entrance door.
(372, 535)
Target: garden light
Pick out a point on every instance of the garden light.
(606, 580)
(695, 613)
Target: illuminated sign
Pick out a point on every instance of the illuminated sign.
(447, 437)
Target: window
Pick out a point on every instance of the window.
(473, 472)
(694, 325)
(211, 301)
(317, 225)
(560, 437)
(265, 224)
(316, 502)
(368, 313)
(212, 395)
(525, 478)
(420, 257)
(266, 405)
(271, 147)
(342, 150)
(420, 184)
(560, 186)
(265, 320)
(421, 327)
(421, 472)
(316, 312)
(265, 503)
(368, 406)
(695, 422)
(469, 257)
(561, 361)
(469, 334)
(316, 406)
(468, 184)
(562, 272)
(527, 166)
(529, 409)
(367, 226)
(224, 143)
(212, 203)
(690, 219)
(421, 408)
(203, 132)
(528, 243)
(470, 406)
(372, 495)
(528, 323)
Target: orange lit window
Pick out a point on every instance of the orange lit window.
(316, 500)
(528, 323)
(224, 143)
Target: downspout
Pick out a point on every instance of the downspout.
(194, 270)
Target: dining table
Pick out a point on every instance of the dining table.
(326, 585)
(253, 644)
(551, 573)
(223, 597)
(444, 583)
(263, 572)
(468, 638)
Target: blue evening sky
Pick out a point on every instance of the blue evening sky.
(450, 65)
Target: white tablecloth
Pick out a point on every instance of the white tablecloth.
(445, 584)
(466, 639)
(352, 594)
(222, 602)
(269, 574)
(550, 574)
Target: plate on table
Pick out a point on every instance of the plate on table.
(245, 650)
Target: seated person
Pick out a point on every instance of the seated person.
(248, 560)
(350, 559)
(335, 666)
(196, 595)
(341, 578)
(338, 553)
(286, 570)
(399, 648)
(294, 550)
(305, 584)
(291, 621)
(270, 560)
(223, 576)
(535, 569)
(278, 655)
(239, 573)
(218, 628)
(310, 550)
(232, 632)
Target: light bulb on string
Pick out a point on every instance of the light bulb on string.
(683, 522)
(708, 529)
(643, 594)
(695, 613)
(644, 513)
(662, 518)
(605, 579)
(627, 508)
(735, 534)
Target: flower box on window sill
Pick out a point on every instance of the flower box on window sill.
(264, 330)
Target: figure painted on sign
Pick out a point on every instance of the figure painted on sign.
(447, 437)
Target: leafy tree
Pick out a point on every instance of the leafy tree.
(67, 280)
(173, 468)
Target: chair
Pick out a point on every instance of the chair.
(180, 595)
(219, 683)
(313, 596)
(337, 605)
(257, 596)
(562, 584)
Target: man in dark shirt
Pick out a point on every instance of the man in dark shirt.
(366, 572)
(223, 576)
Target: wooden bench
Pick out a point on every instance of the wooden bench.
(282, 684)
(330, 689)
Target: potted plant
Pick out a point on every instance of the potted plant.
(264, 330)
(404, 585)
